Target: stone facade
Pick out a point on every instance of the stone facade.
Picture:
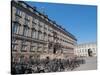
(35, 35)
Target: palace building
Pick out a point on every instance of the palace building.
(34, 35)
(86, 49)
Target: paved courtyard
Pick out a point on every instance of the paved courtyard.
(91, 64)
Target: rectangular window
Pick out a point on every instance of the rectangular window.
(32, 48)
(40, 35)
(24, 42)
(18, 12)
(33, 25)
(45, 28)
(14, 40)
(40, 25)
(14, 47)
(17, 18)
(14, 44)
(15, 28)
(27, 17)
(26, 22)
(25, 31)
(45, 37)
(35, 21)
(24, 47)
(33, 33)
(22, 58)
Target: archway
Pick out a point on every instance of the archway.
(90, 52)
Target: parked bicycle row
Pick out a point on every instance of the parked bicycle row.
(46, 65)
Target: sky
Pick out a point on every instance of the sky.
(80, 20)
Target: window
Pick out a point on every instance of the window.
(33, 24)
(49, 37)
(26, 22)
(24, 42)
(22, 58)
(40, 35)
(14, 40)
(32, 48)
(85, 50)
(50, 45)
(45, 28)
(15, 28)
(24, 47)
(25, 31)
(17, 18)
(27, 17)
(35, 20)
(50, 30)
(80, 50)
(40, 25)
(14, 46)
(33, 34)
(93, 49)
(45, 37)
(31, 58)
(18, 12)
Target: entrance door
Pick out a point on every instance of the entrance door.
(54, 50)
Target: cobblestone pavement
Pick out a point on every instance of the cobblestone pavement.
(91, 64)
